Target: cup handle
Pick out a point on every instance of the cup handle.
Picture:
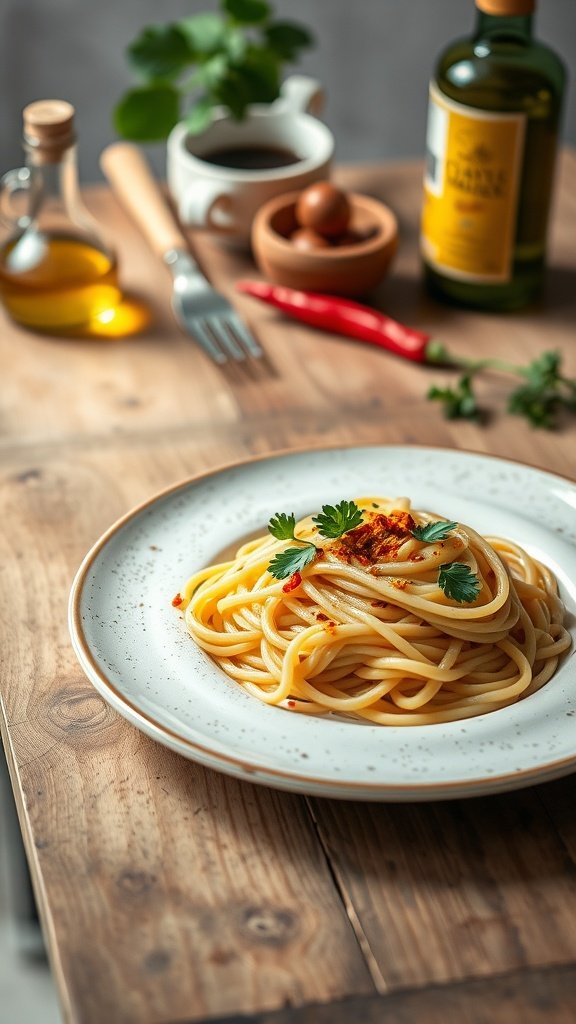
(303, 94)
(18, 180)
(208, 204)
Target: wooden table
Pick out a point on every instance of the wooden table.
(168, 892)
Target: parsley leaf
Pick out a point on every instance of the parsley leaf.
(433, 531)
(282, 526)
(544, 393)
(459, 582)
(459, 402)
(292, 560)
(335, 520)
(332, 522)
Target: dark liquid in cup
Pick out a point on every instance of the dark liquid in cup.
(251, 158)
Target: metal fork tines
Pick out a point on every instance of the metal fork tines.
(207, 315)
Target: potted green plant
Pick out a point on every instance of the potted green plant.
(188, 68)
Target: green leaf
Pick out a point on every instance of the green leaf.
(160, 51)
(248, 12)
(433, 531)
(534, 405)
(259, 73)
(235, 44)
(282, 526)
(292, 560)
(459, 582)
(200, 115)
(543, 372)
(287, 38)
(545, 392)
(212, 71)
(335, 520)
(233, 93)
(459, 402)
(148, 114)
(205, 33)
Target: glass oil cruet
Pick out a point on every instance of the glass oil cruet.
(57, 273)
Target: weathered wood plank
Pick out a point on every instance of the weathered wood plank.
(455, 890)
(163, 886)
(539, 997)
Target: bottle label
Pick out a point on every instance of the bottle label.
(471, 188)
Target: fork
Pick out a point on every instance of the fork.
(200, 310)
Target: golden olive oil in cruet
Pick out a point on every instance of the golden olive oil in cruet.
(57, 273)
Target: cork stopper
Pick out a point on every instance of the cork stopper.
(506, 8)
(49, 128)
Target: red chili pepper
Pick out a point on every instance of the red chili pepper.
(291, 584)
(344, 317)
(177, 600)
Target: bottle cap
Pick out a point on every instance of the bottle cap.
(506, 8)
(49, 128)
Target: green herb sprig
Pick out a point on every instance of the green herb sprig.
(188, 67)
(432, 532)
(544, 394)
(333, 522)
(459, 582)
(455, 578)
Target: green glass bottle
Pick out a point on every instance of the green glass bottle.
(493, 122)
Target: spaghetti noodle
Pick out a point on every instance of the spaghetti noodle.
(366, 630)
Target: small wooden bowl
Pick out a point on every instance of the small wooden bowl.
(351, 269)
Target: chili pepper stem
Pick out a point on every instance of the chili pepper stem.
(437, 354)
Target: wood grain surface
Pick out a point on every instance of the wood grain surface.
(171, 893)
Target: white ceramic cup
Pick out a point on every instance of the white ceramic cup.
(224, 200)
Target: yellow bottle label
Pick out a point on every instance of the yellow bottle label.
(471, 188)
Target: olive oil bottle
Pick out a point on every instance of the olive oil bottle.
(493, 121)
(57, 273)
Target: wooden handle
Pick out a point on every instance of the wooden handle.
(131, 179)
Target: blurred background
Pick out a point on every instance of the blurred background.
(374, 58)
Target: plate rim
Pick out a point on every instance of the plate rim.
(263, 774)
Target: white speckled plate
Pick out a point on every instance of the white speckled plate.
(135, 649)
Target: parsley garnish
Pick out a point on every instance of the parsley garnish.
(459, 402)
(459, 582)
(282, 526)
(292, 560)
(544, 394)
(433, 531)
(333, 521)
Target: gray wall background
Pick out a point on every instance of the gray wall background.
(374, 58)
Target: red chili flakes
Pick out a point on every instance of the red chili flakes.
(291, 703)
(400, 584)
(321, 617)
(177, 600)
(291, 584)
(378, 539)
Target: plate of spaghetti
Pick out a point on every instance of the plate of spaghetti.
(381, 623)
